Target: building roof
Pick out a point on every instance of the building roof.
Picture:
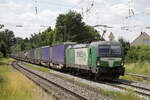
(140, 36)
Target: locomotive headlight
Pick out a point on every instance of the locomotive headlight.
(122, 63)
(98, 63)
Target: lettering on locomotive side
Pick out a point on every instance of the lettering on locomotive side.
(79, 53)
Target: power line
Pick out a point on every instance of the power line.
(76, 5)
(56, 3)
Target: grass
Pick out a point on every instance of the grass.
(128, 77)
(43, 69)
(128, 95)
(15, 86)
(142, 68)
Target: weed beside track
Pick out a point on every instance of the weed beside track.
(15, 86)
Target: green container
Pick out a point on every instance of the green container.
(92, 58)
(70, 56)
(37, 53)
(22, 54)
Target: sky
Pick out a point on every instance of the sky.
(113, 13)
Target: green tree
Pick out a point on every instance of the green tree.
(3, 49)
(138, 53)
(1, 54)
(7, 40)
(69, 27)
(132, 55)
(125, 45)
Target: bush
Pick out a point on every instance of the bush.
(139, 53)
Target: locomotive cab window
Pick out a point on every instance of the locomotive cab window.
(111, 51)
(115, 50)
(104, 50)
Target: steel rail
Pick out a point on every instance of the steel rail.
(124, 88)
(57, 85)
(138, 75)
(120, 81)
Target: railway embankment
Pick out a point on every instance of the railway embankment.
(104, 89)
(15, 86)
(139, 71)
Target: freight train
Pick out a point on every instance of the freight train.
(100, 60)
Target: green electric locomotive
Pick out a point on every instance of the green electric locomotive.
(101, 59)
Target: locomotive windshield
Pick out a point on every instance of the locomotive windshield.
(104, 50)
(110, 50)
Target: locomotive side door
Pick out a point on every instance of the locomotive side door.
(92, 57)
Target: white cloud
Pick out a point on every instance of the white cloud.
(147, 10)
(85, 1)
(103, 12)
(115, 16)
(99, 1)
(74, 1)
(120, 9)
(13, 14)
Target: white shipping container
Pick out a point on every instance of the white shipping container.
(81, 56)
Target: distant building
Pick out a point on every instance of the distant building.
(143, 39)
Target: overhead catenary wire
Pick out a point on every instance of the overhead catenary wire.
(86, 11)
(36, 12)
(73, 7)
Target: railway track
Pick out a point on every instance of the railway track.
(62, 90)
(139, 89)
(138, 75)
(132, 86)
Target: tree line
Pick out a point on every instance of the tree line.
(7, 40)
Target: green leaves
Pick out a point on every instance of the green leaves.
(125, 45)
(139, 53)
(69, 27)
(1, 54)
(6, 41)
